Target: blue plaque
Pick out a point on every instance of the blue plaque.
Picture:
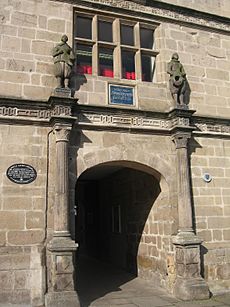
(123, 95)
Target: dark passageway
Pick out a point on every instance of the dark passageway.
(113, 204)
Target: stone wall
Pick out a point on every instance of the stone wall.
(22, 216)
(212, 206)
(217, 7)
(154, 249)
(29, 30)
(206, 60)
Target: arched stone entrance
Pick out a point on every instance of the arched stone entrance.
(124, 217)
(150, 253)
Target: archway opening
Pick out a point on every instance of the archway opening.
(115, 217)
(114, 203)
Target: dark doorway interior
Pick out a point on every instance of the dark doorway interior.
(113, 204)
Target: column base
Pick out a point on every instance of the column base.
(61, 267)
(189, 284)
(60, 299)
(191, 289)
(62, 243)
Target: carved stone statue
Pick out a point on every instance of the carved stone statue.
(177, 80)
(63, 62)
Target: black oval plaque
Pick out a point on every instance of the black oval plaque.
(21, 173)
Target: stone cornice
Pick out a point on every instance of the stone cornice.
(212, 126)
(64, 110)
(35, 112)
(161, 12)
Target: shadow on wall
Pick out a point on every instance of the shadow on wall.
(193, 146)
(76, 81)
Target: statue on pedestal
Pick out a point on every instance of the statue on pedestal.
(63, 62)
(177, 82)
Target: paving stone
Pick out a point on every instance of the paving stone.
(203, 303)
(225, 298)
(151, 301)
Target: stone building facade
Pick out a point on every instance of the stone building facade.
(150, 179)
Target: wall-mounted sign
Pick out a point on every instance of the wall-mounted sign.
(21, 173)
(122, 95)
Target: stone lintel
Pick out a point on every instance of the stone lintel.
(61, 299)
(191, 289)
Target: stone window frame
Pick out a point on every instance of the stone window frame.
(117, 20)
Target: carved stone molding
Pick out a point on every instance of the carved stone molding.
(62, 132)
(181, 139)
(180, 121)
(180, 14)
(21, 113)
(213, 128)
(60, 110)
(102, 119)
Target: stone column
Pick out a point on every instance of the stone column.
(183, 183)
(189, 284)
(61, 249)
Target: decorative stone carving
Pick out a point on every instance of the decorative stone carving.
(97, 119)
(181, 140)
(178, 84)
(202, 20)
(62, 133)
(63, 62)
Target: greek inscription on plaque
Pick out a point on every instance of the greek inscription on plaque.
(122, 95)
(21, 173)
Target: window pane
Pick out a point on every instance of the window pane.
(84, 59)
(148, 67)
(127, 37)
(106, 62)
(146, 38)
(105, 31)
(84, 27)
(128, 65)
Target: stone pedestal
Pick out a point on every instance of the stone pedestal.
(61, 253)
(62, 92)
(61, 249)
(189, 284)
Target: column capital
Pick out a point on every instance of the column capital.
(181, 139)
(62, 132)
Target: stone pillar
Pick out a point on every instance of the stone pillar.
(189, 284)
(61, 249)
